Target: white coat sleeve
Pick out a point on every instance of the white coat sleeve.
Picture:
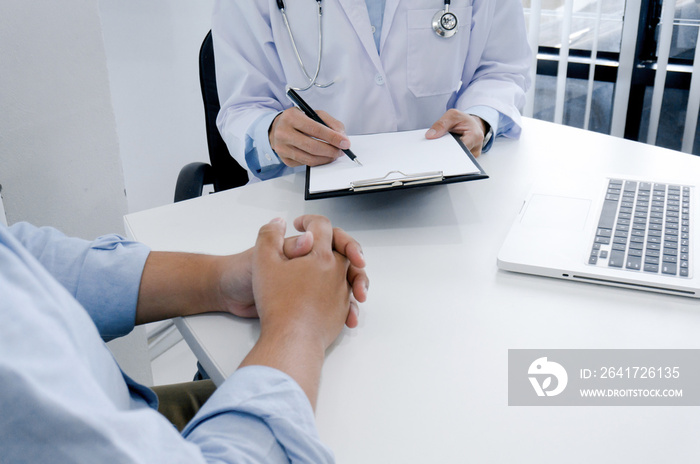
(249, 75)
(502, 76)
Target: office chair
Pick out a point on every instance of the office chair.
(222, 171)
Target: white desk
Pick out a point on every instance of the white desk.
(423, 379)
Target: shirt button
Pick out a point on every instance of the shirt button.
(374, 29)
(268, 157)
(379, 79)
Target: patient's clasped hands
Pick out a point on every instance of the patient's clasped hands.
(238, 273)
(304, 289)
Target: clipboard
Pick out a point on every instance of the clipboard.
(394, 161)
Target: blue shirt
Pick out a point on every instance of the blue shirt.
(64, 398)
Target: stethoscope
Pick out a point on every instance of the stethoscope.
(445, 24)
(311, 80)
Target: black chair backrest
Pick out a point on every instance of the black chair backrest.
(227, 172)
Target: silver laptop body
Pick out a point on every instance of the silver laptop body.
(613, 230)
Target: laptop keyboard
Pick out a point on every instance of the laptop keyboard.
(644, 227)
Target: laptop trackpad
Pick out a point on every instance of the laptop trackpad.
(556, 212)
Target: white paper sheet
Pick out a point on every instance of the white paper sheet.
(409, 153)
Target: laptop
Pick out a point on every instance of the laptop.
(611, 230)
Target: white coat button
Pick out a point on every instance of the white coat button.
(379, 79)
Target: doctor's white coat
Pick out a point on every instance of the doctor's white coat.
(409, 84)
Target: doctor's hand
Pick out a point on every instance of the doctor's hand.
(299, 140)
(470, 128)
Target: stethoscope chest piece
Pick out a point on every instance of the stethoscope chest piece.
(445, 22)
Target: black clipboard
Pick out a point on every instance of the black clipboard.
(398, 180)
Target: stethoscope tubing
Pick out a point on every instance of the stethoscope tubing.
(312, 81)
(444, 24)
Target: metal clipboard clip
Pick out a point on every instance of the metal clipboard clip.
(388, 182)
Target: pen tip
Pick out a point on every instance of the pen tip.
(358, 162)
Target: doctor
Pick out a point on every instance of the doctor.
(366, 66)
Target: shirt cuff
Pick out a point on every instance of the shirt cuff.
(258, 413)
(260, 157)
(103, 275)
(111, 275)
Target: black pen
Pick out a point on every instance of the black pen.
(308, 111)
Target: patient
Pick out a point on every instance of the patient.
(64, 398)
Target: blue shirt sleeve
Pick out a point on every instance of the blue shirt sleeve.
(274, 412)
(262, 160)
(103, 275)
(64, 398)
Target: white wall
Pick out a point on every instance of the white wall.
(59, 154)
(152, 56)
(97, 97)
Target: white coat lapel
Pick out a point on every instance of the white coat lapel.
(356, 11)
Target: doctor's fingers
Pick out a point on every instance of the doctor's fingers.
(333, 132)
(469, 128)
(332, 122)
(472, 133)
(299, 140)
(315, 153)
(297, 148)
(452, 120)
(473, 141)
